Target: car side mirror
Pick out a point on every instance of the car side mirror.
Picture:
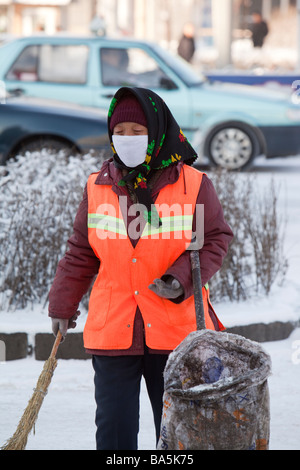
(167, 83)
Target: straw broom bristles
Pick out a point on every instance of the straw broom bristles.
(19, 440)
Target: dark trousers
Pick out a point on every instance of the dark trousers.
(117, 393)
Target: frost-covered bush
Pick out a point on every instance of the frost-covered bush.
(39, 196)
(255, 258)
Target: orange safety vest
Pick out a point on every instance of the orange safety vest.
(125, 271)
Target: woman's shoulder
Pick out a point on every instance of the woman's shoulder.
(194, 173)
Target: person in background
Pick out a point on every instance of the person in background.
(186, 47)
(259, 30)
(132, 232)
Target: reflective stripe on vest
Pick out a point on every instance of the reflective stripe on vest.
(107, 223)
(180, 223)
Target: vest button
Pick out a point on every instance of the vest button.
(149, 325)
(136, 292)
(134, 260)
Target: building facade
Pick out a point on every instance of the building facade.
(161, 21)
(24, 17)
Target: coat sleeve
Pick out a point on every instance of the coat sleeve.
(217, 236)
(76, 270)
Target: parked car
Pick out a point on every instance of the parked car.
(229, 124)
(34, 123)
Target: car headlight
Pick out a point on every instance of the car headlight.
(293, 114)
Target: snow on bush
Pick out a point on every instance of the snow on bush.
(255, 259)
(39, 197)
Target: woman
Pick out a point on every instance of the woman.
(133, 230)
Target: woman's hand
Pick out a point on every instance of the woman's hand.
(169, 289)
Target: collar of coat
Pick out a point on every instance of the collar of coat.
(110, 175)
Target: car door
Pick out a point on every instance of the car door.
(52, 70)
(136, 65)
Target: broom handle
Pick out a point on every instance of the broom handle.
(56, 344)
(197, 285)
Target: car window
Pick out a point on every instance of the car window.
(51, 63)
(65, 64)
(131, 67)
(25, 68)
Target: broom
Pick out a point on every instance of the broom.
(19, 440)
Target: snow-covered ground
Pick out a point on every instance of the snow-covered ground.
(66, 420)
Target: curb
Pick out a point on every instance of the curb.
(261, 332)
(18, 347)
(71, 348)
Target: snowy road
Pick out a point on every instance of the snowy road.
(66, 420)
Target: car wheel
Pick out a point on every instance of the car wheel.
(40, 143)
(232, 146)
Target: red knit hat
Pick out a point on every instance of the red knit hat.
(128, 109)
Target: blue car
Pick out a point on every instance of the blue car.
(229, 124)
(29, 124)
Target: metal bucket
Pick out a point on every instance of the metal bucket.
(216, 394)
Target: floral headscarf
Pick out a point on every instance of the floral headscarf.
(167, 145)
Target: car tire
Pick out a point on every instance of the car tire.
(39, 143)
(232, 146)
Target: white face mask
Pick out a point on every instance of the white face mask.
(131, 149)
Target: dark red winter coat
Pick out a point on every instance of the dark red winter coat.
(78, 268)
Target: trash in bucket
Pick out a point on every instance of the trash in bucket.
(216, 394)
